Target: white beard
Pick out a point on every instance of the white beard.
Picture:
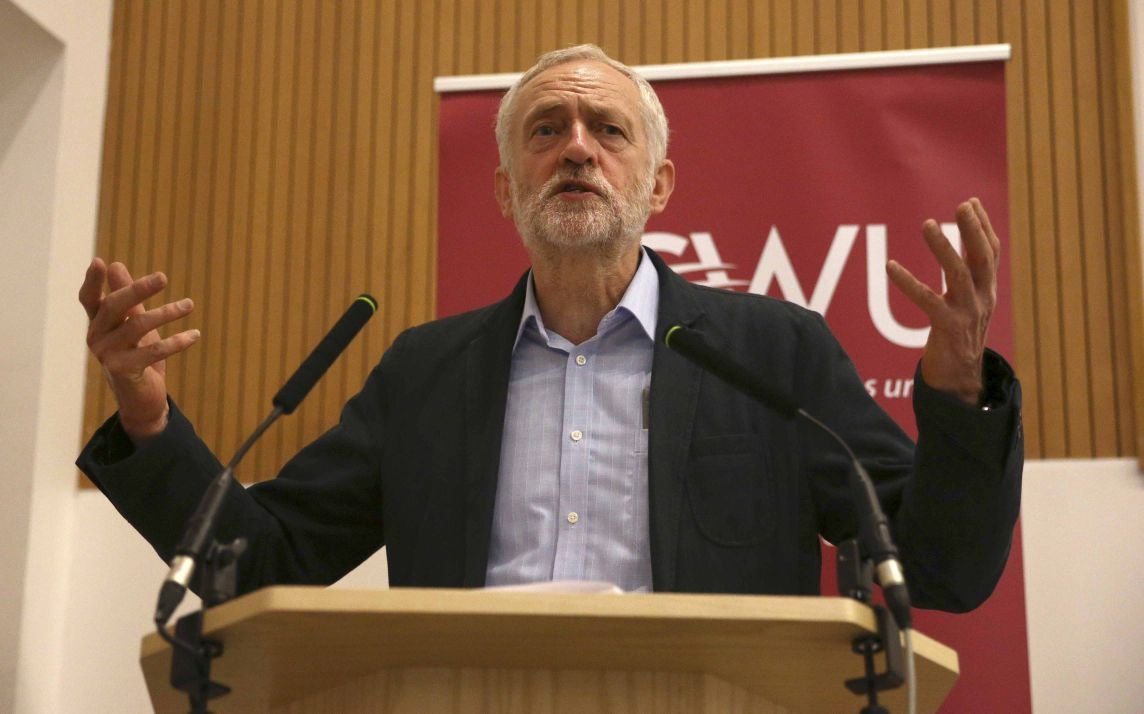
(607, 221)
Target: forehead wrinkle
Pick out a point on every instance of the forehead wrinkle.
(580, 83)
(590, 108)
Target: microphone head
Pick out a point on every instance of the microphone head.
(368, 300)
(332, 345)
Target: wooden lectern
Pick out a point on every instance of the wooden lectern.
(302, 649)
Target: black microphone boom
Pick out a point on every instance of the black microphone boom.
(874, 530)
(692, 345)
(333, 344)
(199, 534)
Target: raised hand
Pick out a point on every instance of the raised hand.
(959, 319)
(125, 338)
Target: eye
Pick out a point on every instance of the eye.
(613, 130)
(544, 130)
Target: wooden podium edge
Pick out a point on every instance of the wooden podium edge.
(435, 611)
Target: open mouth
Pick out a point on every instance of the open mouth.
(576, 187)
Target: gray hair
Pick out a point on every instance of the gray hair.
(654, 120)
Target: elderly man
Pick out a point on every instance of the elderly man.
(552, 436)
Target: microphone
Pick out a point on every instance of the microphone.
(199, 533)
(874, 529)
(332, 345)
(692, 345)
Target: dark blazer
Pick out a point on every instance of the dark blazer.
(738, 495)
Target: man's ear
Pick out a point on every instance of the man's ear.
(502, 185)
(664, 185)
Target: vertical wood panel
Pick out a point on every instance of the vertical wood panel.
(850, 27)
(675, 31)
(965, 22)
(237, 268)
(258, 233)
(653, 32)
(917, 20)
(897, 25)
(805, 21)
(200, 252)
(280, 167)
(941, 23)
(988, 21)
(1070, 274)
(612, 23)
(219, 237)
(276, 158)
(1022, 237)
(873, 25)
(1094, 236)
(341, 287)
(1046, 273)
(1122, 214)
(827, 21)
(316, 274)
(782, 27)
(506, 23)
(759, 19)
(739, 26)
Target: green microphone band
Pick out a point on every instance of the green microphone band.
(368, 300)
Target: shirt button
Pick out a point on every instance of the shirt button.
(573, 517)
(577, 435)
(581, 360)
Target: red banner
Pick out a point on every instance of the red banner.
(800, 186)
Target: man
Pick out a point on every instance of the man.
(551, 435)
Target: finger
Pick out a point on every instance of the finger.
(137, 326)
(956, 273)
(979, 256)
(139, 358)
(91, 292)
(118, 277)
(991, 234)
(126, 297)
(915, 290)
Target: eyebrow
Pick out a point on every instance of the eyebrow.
(593, 109)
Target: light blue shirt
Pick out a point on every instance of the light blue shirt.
(572, 499)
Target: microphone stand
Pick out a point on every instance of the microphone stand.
(872, 553)
(191, 653)
(856, 580)
(856, 563)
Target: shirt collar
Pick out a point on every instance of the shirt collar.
(641, 300)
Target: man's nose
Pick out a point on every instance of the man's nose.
(581, 147)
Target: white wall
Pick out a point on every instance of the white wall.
(88, 582)
(52, 170)
(1083, 526)
(30, 93)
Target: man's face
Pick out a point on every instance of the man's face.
(580, 175)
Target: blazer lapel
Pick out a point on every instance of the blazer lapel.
(674, 395)
(488, 360)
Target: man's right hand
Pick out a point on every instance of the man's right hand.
(124, 337)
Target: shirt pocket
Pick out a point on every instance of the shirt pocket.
(730, 489)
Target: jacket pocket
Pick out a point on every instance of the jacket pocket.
(730, 489)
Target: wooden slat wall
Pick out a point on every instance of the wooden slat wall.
(278, 157)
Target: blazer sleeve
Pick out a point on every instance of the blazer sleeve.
(952, 500)
(315, 522)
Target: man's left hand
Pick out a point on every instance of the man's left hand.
(959, 319)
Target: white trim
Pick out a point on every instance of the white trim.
(775, 65)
